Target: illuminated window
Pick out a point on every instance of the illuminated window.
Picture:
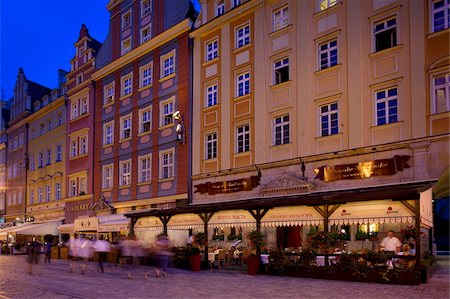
(386, 106)
(325, 4)
(329, 119)
(441, 93)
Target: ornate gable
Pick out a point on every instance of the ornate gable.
(286, 184)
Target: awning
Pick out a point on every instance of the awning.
(185, 221)
(292, 216)
(113, 223)
(32, 228)
(151, 223)
(66, 228)
(232, 218)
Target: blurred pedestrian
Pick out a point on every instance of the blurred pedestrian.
(102, 247)
(126, 252)
(85, 251)
(33, 250)
(48, 252)
(162, 255)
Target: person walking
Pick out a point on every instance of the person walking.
(102, 247)
(48, 252)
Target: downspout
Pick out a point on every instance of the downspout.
(191, 100)
(27, 126)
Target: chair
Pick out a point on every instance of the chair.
(222, 258)
(245, 255)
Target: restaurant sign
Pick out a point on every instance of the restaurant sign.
(362, 170)
(246, 184)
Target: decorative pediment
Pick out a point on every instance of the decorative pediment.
(286, 184)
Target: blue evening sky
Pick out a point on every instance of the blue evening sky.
(38, 35)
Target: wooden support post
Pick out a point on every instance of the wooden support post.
(258, 214)
(205, 218)
(325, 229)
(131, 228)
(165, 220)
(417, 239)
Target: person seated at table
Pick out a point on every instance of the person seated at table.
(409, 263)
(236, 255)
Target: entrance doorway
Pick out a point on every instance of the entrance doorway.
(289, 237)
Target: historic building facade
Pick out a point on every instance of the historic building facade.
(4, 119)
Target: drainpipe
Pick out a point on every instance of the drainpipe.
(191, 100)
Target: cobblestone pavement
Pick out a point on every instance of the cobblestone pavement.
(55, 281)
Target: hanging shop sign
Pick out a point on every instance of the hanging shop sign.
(232, 218)
(362, 170)
(246, 184)
(84, 224)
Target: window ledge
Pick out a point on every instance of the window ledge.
(166, 126)
(141, 89)
(107, 105)
(107, 145)
(243, 48)
(242, 154)
(124, 140)
(212, 61)
(439, 115)
(395, 124)
(210, 108)
(330, 136)
(124, 97)
(328, 10)
(143, 183)
(281, 85)
(280, 31)
(439, 33)
(166, 180)
(79, 117)
(144, 133)
(78, 157)
(331, 69)
(242, 97)
(124, 187)
(106, 189)
(167, 78)
(385, 51)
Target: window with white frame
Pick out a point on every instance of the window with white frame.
(211, 95)
(281, 130)
(328, 54)
(146, 33)
(73, 147)
(79, 107)
(83, 105)
(220, 8)
(441, 93)
(108, 133)
(31, 197)
(82, 186)
(243, 138)
(126, 19)
(167, 164)
(325, 4)
(125, 173)
(146, 75)
(41, 159)
(47, 193)
(39, 194)
(107, 175)
(78, 145)
(125, 126)
(83, 145)
(73, 187)
(108, 94)
(281, 18)
(211, 146)
(168, 64)
(386, 106)
(145, 119)
(212, 50)
(126, 46)
(328, 115)
(440, 14)
(59, 119)
(126, 83)
(167, 109)
(49, 156)
(281, 70)
(236, 2)
(57, 190)
(243, 84)
(242, 36)
(146, 7)
(144, 167)
(385, 34)
(74, 109)
(58, 153)
(32, 163)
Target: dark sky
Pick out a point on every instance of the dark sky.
(38, 35)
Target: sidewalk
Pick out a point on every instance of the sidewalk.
(441, 276)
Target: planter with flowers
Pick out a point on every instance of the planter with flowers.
(410, 232)
(319, 240)
(256, 239)
(200, 241)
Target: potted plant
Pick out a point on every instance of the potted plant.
(361, 236)
(256, 239)
(373, 236)
(194, 250)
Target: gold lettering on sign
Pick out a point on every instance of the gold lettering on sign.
(229, 186)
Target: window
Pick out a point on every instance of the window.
(73, 188)
(146, 33)
(126, 46)
(47, 193)
(220, 8)
(44, 101)
(37, 105)
(146, 7)
(243, 36)
(108, 94)
(146, 77)
(328, 54)
(211, 146)
(441, 93)
(243, 138)
(40, 195)
(73, 148)
(20, 140)
(81, 51)
(386, 106)
(167, 110)
(31, 197)
(32, 163)
(243, 84)
(324, 4)
(74, 110)
(125, 126)
(281, 18)
(49, 156)
(60, 119)
(107, 176)
(281, 130)
(236, 2)
(385, 34)
(83, 145)
(125, 173)
(82, 186)
(41, 159)
(49, 125)
(145, 119)
(168, 64)
(58, 153)
(79, 107)
(212, 50)
(83, 106)
(79, 78)
(329, 119)
(167, 164)
(281, 68)
(126, 84)
(41, 131)
(58, 190)
(126, 19)
(440, 15)
(79, 145)
(145, 166)
(108, 133)
(211, 95)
